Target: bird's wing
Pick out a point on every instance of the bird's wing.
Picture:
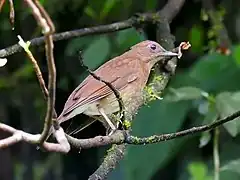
(91, 90)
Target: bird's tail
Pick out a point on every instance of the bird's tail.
(62, 118)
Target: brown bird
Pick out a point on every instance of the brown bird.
(128, 73)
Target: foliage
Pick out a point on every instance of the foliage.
(204, 89)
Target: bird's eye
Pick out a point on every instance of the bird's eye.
(153, 46)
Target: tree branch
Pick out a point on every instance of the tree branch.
(139, 19)
(171, 9)
(165, 137)
(115, 154)
(119, 137)
(18, 136)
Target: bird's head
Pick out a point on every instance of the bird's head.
(151, 52)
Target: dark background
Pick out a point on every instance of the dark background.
(185, 104)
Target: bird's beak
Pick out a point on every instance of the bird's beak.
(163, 55)
(168, 53)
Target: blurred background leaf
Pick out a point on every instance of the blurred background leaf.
(228, 103)
(205, 88)
(232, 166)
(146, 124)
(91, 56)
(198, 171)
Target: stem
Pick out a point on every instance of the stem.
(216, 158)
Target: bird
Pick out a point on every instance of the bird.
(128, 73)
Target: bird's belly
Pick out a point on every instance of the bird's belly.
(110, 103)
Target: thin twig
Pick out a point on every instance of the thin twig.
(51, 88)
(138, 20)
(216, 158)
(46, 24)
(165, 137)
(12, 13)
(36, 68)
(1, 4)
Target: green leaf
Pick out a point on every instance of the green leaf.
(18, 171)
(204, 15)
(141, 162)
(96, 53)
(77, 44)
(229, 156)
(184, 93)
(228, 103)
(128, 37)
(215, 72)
(151, 5)
(196, 38)
(236, 54)
(42, 2)
(236, 96)
(232, 166)
(198, 171)
(109, 4)
(210, 65)
(5, 83)
(63, 83)
(211, 116)
(24, 72)
(90, 12)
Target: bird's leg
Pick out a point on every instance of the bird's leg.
(113, 128)
(111, 131)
